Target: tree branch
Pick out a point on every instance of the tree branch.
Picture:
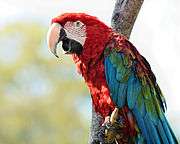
(123, 19)
(124, 15)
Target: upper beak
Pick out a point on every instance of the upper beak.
(55, 34)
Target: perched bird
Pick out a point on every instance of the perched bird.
(123, 87)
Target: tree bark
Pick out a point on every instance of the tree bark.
(124, 15)
(123, 19)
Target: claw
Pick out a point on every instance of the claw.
(114, 115)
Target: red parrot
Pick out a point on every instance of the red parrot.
(122, 85)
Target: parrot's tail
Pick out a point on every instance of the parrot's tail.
(160, 133)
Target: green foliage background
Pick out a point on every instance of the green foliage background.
(41, 96)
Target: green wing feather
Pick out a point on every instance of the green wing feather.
(133, 84)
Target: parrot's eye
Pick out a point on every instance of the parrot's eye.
(78, 24)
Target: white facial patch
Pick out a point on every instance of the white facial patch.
(76, 31)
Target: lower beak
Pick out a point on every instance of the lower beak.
(55, 34)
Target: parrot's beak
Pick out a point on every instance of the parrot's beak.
(55, 34)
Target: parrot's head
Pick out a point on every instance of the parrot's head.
(81, 34)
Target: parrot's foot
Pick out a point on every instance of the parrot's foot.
(106, 120)
(112, 130)
(107, 133)
(112, 133)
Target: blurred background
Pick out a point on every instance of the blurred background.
(42, 99)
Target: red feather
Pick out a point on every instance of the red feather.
(91, 62)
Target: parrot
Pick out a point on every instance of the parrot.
(123, 88)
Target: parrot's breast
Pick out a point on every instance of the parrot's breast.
(98, 87)
(94, 76)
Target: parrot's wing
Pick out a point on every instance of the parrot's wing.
(132, 83)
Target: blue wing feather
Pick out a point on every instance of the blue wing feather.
(118, 90)
(142, 99)
(134, 88)
(141, 124)
(152, 130)
(162, 132)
